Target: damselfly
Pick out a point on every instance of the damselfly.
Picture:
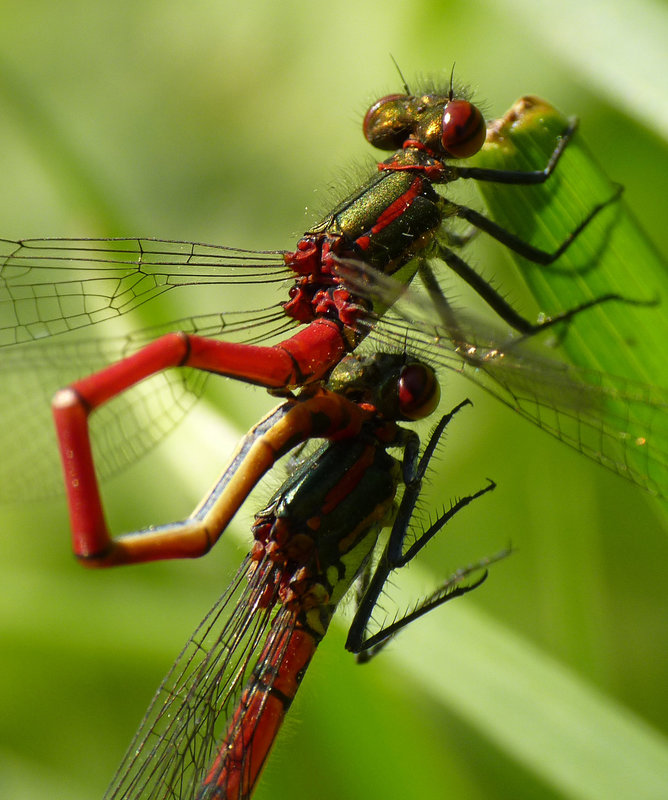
(344, 270)
(214, 719)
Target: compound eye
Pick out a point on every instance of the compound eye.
(419, 391)
(387, 123)
(463, 129)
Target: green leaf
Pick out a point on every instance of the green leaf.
(549, 720)
(612, 255)
(622, 337)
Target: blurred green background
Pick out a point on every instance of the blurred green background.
(221, 123)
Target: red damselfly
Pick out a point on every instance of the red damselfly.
(343, 271)
(102, 279)
(209, 729)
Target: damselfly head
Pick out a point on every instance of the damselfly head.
(447, 126)
(396, 385)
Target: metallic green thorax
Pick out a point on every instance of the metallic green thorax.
(388, 219)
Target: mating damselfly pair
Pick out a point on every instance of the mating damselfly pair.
(342, 287)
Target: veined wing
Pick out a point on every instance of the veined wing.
(127, 427)
(173, 749)
(50, 286)
(620, 424)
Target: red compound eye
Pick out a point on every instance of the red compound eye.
(463, 129)
(419, 392)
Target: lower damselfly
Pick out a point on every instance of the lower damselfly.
(215, 718)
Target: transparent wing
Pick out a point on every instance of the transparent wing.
(176, 743)
(52, 290)
(620, 424)
(49, 286)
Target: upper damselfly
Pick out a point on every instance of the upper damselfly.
(392, 225)
(343, 272)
